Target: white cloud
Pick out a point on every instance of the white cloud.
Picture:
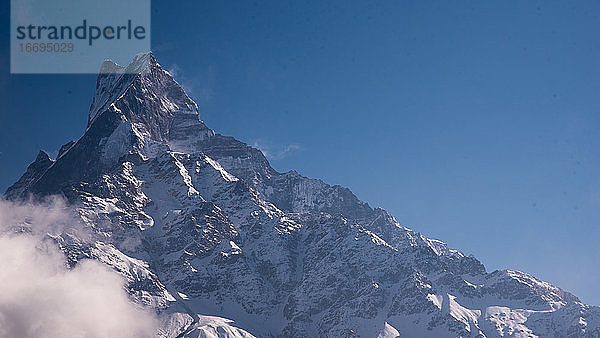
(275, 153)
(200, 90)
(42, 298)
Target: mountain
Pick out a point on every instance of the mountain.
(204, 229)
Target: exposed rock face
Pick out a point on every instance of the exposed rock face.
(177, 208)
(34, 171)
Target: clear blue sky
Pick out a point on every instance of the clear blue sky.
(473, 122)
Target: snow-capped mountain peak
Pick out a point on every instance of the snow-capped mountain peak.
(200, 223)
(148, 97)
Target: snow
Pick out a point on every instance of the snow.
(205, 327)
(206, 236)
(437, 300)
(388, 332)
(227, 176)
(509, 322)
(467, 316)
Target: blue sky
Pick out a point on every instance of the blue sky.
(472, 122)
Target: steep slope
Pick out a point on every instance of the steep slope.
(184, 212)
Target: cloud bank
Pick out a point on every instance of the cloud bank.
(40, 297)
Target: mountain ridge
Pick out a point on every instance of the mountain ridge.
(178, 208)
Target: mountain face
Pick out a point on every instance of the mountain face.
(203, 228)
